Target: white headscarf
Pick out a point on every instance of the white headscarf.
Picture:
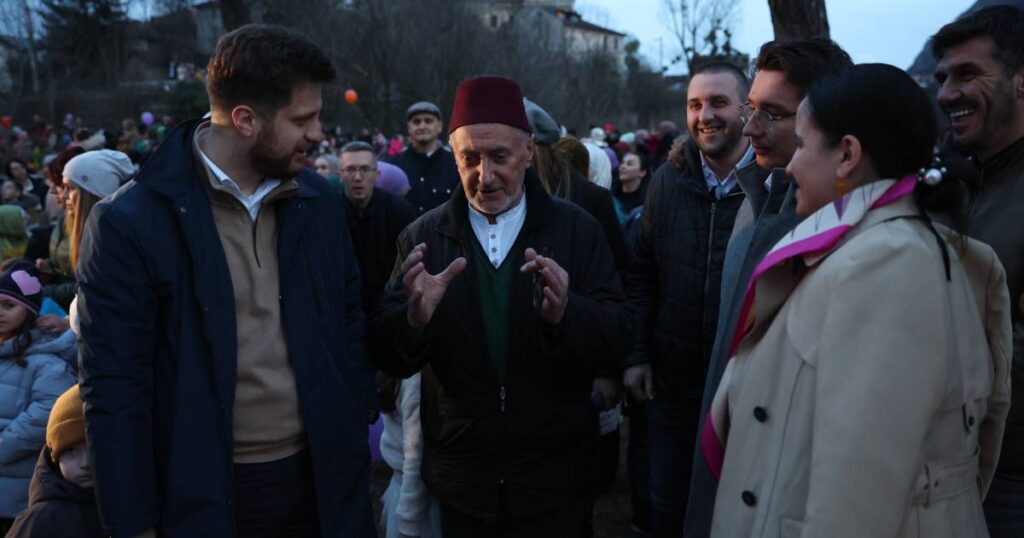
(600, 166)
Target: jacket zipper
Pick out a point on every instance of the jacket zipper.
(707, 273)
(501, 405)
(707, 267)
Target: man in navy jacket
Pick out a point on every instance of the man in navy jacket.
(223, 361)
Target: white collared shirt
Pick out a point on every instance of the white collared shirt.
(497, 239)
(719, 186)
(254, 201)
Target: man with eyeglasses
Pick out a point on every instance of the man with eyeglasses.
(784, 72)
(673, 284)
(375, 218)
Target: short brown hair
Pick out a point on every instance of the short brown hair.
(259, 65)
(803, 61)
(1004, 24)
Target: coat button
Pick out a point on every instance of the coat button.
(183, 210)
(760, 414)
(748, 498)
(422, 179)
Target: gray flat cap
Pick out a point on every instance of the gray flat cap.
(423, 107)
(545, 128)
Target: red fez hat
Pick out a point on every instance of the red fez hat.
(488, 100)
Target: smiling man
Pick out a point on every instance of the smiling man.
(511, 300)
(981, 73)
(222, 348)
(673, 285)
(785, 71)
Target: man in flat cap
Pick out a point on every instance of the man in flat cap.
(510, 300)
(428, 164)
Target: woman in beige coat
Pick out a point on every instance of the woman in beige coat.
(869, 385)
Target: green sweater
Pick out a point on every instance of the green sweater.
(495, 299)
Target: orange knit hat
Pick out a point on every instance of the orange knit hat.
(66, 427)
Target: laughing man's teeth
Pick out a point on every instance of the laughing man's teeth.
(961, 113)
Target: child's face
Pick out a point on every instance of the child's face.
(12, 316)
(74, 465)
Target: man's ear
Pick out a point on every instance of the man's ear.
(245, 121)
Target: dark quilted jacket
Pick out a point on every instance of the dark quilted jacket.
(675, 280)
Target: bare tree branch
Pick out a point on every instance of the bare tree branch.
(701, 27)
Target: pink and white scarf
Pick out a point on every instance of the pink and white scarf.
(813, 238)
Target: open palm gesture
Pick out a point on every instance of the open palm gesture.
(424, 289)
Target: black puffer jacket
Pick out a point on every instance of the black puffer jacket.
(57, 508)
(533, 435)
(674, 282)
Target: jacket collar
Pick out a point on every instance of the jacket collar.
(821, 233)
(169, 173)
(752, 179)
(371, 209)
(1011, 157)
(691, 176)
(454, 221)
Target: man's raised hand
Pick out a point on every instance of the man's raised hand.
(424, 289)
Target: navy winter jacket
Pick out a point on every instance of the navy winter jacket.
(158, 353)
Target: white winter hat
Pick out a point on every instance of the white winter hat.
(99, 172)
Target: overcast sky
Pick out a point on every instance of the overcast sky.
(889, 31)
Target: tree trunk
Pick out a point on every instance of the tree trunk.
(799, 19)
(30, 32)
(234, 13)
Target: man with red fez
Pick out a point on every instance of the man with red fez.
(509, 301)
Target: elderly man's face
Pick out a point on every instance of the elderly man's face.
(492, 160)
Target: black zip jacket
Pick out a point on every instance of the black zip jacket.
(675, 280)
(531, 437)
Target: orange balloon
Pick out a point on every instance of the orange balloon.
(351, 97)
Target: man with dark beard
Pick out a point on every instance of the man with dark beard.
(223, 361)
(981, 73)
(674, 284)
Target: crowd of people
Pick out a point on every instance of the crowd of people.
(807, 306)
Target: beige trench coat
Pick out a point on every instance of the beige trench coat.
(869, 398)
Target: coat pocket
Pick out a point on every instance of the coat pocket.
(790, 527)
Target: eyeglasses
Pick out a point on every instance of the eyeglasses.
(353, 170)
(765, 119)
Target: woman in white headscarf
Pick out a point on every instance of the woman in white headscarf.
(600, 166)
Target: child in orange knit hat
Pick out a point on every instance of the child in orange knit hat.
(61, 499)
